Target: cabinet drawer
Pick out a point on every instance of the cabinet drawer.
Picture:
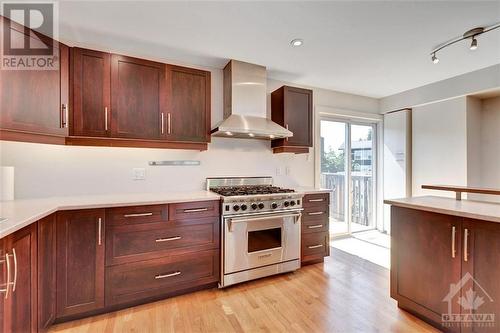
(315, 246)
(147, 241)
(316, 199)
(315, 225)
(162, 276)
(136, 215)
(316, 213)
(192, 210)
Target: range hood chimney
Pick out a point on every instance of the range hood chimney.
(245, 104)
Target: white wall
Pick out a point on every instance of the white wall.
(490, 145)
(439, 145)
(50, 170)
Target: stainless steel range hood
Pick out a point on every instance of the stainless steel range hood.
(245, 104)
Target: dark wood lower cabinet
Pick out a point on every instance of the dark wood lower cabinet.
(80, 261)
(315, 228)
(46, 272)
(444, 267)
(20, 308)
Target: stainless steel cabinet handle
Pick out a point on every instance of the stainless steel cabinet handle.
(162, 123)
(64, 115)
(137, 214)
(99, 231)
(106, 118)
(15, 270)
(316, 213)
(314, 226)
(316, 200)
(466, 238)
(7, 263)
(162, 276)
(286, 126)
(453, 249)
(315, 246)
(159, 240)
(195, 210)
(169, 123)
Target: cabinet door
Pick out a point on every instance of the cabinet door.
(298, 116)
(423, 263)
(481, 259)
(46, 239)
(91, 75)
(137, 97)
(80, 261)
(188, 117)
(35, 101)
(20, 305)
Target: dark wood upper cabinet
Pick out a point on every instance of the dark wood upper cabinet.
(188, 116)
(80, 261)
(34, 103)
(293, 108)
(91, 95)
(20, 308)
(137, 98)
(483, 258)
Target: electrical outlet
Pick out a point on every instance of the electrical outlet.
(278, 171)
(287, 171)
(139, 174)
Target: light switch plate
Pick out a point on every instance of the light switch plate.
(138, 174)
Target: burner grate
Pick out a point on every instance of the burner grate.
(228, 191)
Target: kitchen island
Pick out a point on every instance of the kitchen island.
(445, 261)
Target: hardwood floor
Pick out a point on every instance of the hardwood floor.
(345, 294)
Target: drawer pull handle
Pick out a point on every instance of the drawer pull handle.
(138, 214)
(315, 226)
(195, 210)
(315, 246)
(316, 213)
(159, 240)
(162, 276)
(466, 246)
(316, 200)
(7, 263)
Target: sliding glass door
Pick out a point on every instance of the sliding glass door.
(347, 167)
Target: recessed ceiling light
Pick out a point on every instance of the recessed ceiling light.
(297, 42)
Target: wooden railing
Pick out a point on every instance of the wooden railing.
(362, 189)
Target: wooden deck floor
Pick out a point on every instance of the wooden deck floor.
(345, 294)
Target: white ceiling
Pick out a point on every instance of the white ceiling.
(369, 48)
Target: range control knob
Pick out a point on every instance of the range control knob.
(243, 207)
(254, 206)
(274, 205)
(292, 203)
(261, 205)
(286, 204)
(236, 207)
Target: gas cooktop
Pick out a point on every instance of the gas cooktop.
(229, 191)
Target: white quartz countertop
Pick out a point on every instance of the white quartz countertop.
(465, 208)
(312, 190)
(20, 213)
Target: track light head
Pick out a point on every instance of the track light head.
(434, 59)
(473, 44)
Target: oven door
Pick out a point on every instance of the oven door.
(259, 240)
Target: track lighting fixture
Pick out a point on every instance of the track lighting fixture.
(473, 44)
(472, 34)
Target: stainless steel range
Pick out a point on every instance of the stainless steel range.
(260, 228)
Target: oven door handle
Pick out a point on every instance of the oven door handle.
(259, 218)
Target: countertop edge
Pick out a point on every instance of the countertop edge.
(8, 230)
(445, 211)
